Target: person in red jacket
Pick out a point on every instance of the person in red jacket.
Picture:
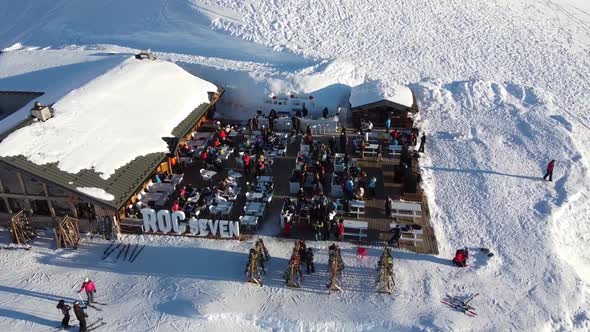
(341, 229)
(246, 160)
(549, 170)
(90, 288)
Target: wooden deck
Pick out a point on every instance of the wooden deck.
(374, 213)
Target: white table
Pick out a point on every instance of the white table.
(359, 228)
(357, 207)
(254, 197)
(206, 175)
(408, 210)
(371, 149)
(263, 178)
(161, 188)
(409, 235)
(249, 221)
(254, 209)
(223, 208)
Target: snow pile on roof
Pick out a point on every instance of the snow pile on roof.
(113, 119)
(374, 91)
(96, 192)
(53, 72)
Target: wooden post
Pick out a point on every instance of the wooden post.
(73, 208)
(49, 203)
(21, 182)
(6, 202)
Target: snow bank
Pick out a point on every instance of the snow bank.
(96, 192)
(113, 119)
(374, 91)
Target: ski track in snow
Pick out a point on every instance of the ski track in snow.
(502, 87)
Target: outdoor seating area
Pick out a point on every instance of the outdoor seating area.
(352, 187)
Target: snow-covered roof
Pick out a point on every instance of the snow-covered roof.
(375, 91)
(112, 119)
(52, 72)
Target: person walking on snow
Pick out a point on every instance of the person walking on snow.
(422, 142)
(81, 316)
(550, 170)
(90, 288)
(65, 310)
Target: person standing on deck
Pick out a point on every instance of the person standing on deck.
(343, 140)
(549, 173)
(387, 124)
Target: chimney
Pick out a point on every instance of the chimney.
(40, 112)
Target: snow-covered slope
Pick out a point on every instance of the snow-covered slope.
(502, 87)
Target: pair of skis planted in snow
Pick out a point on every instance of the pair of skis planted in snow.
(123, 251)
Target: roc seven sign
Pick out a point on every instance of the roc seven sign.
(165, 221)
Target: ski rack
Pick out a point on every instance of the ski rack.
(336, 266)
(21, 230)
(384, 281)
(256, 262)
(294, 275)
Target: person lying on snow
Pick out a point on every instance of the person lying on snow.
(461, 257)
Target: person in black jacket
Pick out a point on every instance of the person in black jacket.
(422, 142)
(65, 310)
(80, 316)
(309, 261)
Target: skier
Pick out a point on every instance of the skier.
(549, 173)
(80, 315)
(90, 288)
(422, 141)
(65, 310)
(309, 261)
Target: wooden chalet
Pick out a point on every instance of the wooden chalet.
(373, 102)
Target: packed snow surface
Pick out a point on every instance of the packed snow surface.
(374, 91)
(96, 192)
(112, 119)
(502, 88)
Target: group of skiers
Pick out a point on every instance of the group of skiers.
(79, 306)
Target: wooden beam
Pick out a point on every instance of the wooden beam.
(35, 197)
(49, 203)
(6, 202)
(21, 182)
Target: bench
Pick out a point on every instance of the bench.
(356, 228)
(407, 210)
(357, 208)
(408, 235)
